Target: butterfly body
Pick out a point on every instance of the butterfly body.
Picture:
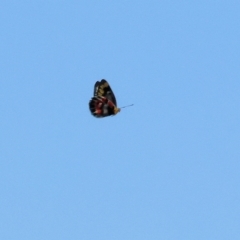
(103, 103)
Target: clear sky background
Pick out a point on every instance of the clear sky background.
(167, 168)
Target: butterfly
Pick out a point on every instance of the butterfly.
(103, 102)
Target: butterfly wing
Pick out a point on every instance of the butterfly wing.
(101, 107)
(103, 89)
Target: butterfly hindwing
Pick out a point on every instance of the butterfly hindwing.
(101, 107)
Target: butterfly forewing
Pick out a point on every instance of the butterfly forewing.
(103, 89)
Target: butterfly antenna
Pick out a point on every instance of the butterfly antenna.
(127, 106)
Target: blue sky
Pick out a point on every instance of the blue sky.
(167, 168)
